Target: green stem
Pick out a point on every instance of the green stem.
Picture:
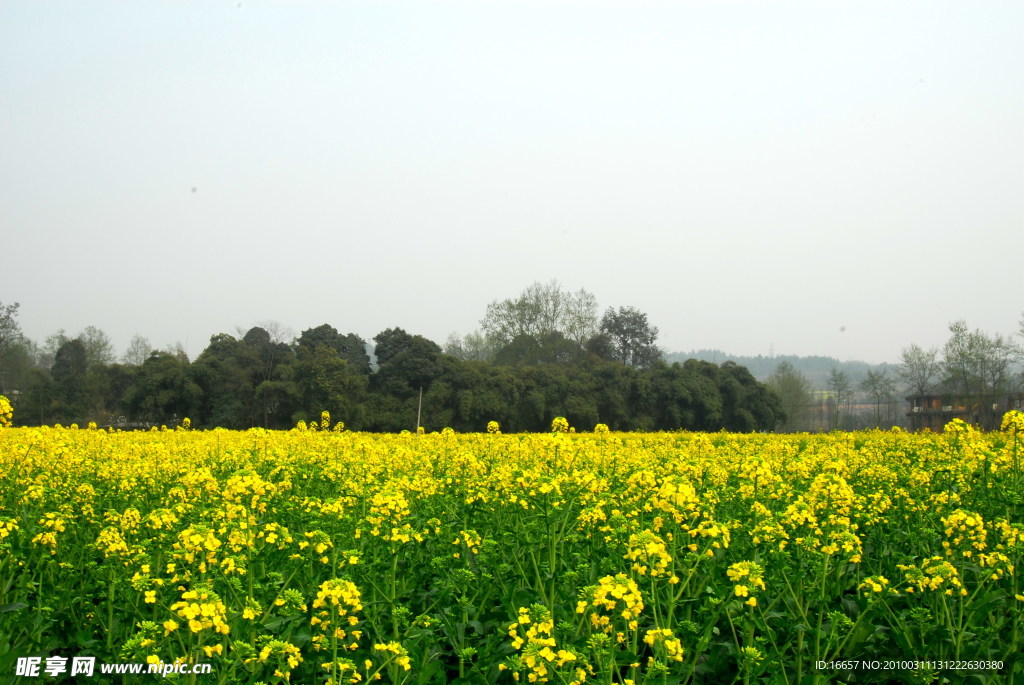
(110, 608)
(334, 643)
(821, 610)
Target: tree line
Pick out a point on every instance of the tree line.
(817, 369)
(973, 369)
(543, 354)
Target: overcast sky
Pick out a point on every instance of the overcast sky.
(831, 178)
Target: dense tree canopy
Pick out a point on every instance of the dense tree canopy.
(540, 355)
(349, 346)
(558, 364)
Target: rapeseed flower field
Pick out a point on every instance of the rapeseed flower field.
(318, 555)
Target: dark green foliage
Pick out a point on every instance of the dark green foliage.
(794, 393)
(11, 345)
(37, 401)
(327, 382)
(631, 337)
(247, 382)
(164, 391)
(68, 372)
(255, 381)
(406, 363)
(105, 386)
(349, 347)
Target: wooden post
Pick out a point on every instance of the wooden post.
(419, 411)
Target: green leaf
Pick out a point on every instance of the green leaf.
(16, 606)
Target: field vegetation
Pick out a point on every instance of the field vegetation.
(322, 555)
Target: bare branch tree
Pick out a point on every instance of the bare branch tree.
(138, 351)
(919, 368)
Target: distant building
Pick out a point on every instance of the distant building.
(933, 411)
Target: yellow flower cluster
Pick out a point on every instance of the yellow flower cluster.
(7, 526)
(716, 533)
(874, 585)
(388, 511)
(966, 533)
(560, 425)
(285, 657)
(998, 563)
(200, 543)
(767, 530)
(6, 412)
(614, 597)
(52, 524)
(203, 610)
(933, 574)
(401, 654)
(748, 578)
(249, 489)
(666, 640)
(470, 539)
(1012, 423)
(677, 498)
(343, 595)
(317, 542)
(648, 553)
(1011, 535)
(112, 543)
(532, 636)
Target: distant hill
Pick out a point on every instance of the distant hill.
(815, 368)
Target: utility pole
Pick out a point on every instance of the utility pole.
(419, 411)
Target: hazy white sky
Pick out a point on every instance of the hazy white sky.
(753, 175)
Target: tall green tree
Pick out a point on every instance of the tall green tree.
(248, 382)
(631, 337)
(15, 351)
(350, 346)
(794, 392)
(703, 380)
(675, 396)
(473, 347)
(747, 405)
(10, 330)
(327, 382)
(275, 391)
(616, 393)
(52, 343)
(841, 387)
(979, 367)
(163, 391)
(69, 377)
(881, 388)
(10, 336)
(37, 402)
(226, 371)
(406, 366)
(539, 311)
(105, 388)
(405, 363)
(98, 348)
